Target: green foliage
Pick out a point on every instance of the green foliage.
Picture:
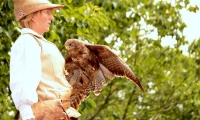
(170, 79)
(7, 34)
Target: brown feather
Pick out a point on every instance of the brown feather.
(79, 82)
(88, 65)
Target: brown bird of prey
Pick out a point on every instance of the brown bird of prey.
(88, 66)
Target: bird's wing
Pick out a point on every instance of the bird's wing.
(80, 91)
(79, 81)
(72, 71)
(112, 63)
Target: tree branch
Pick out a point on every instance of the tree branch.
(128, 104)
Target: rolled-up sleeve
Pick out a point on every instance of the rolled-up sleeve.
(25, 73)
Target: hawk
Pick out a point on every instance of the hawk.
(88, 66)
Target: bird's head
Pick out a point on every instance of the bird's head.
(71, 44)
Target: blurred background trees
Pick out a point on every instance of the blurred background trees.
(139, 31)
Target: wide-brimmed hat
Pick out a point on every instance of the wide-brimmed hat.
(23, 8)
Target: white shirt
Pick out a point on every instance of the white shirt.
(25, 72)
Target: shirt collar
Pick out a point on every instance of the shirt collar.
(28, 30)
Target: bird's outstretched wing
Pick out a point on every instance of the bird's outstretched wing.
(112, 65)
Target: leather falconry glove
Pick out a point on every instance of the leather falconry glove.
(49, 110)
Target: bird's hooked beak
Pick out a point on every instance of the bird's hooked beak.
(66, 47)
